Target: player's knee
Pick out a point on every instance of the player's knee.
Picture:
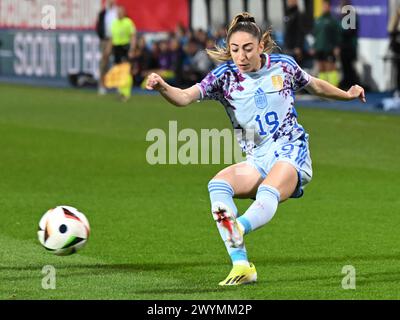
(220, 186)
(267, 193)
(264, 207)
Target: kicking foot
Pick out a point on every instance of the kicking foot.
(240, 274)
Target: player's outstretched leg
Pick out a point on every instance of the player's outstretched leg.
(224, 213)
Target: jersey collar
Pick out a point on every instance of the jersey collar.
(263, 69)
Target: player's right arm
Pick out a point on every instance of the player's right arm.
(176, 96)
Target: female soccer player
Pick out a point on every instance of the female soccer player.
(257, 89)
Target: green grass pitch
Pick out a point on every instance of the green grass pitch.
(152, 233)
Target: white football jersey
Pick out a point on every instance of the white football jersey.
(259, 104)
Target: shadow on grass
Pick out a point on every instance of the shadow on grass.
(107, 267)
(104, 269)
(149, 267)
(75, 270)
(209, 285)
(287, 260)
(366, 277)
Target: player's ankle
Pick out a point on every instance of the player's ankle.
(241, 263)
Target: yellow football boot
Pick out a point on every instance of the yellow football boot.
(240, 274)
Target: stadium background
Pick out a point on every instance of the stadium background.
(29, 53)
(67, 146)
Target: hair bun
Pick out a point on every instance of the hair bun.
(246, 17)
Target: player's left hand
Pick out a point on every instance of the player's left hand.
(357, 91)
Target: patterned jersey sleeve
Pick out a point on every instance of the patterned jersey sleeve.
(300, 78)
(295, 76)
(210, 88)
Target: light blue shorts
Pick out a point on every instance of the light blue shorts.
(296, 153)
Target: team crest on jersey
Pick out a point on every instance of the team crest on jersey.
(260, 99)
(277, 82)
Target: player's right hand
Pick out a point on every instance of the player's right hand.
(154, 82)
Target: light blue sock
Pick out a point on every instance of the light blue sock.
(221, 191)
(262, 210)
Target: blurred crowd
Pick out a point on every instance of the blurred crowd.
(321, 46)
(180, 58)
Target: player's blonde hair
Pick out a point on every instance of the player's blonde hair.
(242, 22)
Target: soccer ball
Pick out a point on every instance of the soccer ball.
(63, 230)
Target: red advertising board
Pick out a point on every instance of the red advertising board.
(148, 15)
(157, 15)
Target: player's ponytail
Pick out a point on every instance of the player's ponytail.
(246, 23)
(269, 43)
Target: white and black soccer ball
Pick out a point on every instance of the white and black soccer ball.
(63, 230)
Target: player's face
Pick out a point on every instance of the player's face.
(245, 51)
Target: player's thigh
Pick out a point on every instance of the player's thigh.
(283, 177)
(243, 178)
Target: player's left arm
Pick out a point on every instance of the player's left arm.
(324, 89)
